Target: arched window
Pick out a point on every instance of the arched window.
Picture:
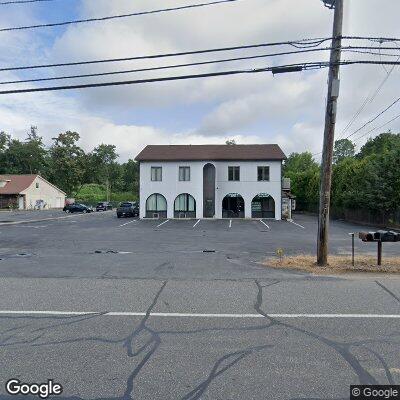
(185, 206)
(156, 206)
(233, 206)
(263, 206)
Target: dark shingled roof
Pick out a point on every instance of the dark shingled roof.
(211, 152)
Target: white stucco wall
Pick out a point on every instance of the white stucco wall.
(170, 186)
(53, 197)
(248, 186)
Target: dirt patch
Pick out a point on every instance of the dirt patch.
(337, 264)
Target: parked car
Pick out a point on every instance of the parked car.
(103, 206)
(73, 208)
(128, 209)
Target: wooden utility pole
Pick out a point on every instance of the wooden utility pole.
(329, 134)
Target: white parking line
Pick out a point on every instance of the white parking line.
(126, 223)
(230, 223)
(264, 223)
(294, 223)
(162, 223)
(196, 223)
(199, 315)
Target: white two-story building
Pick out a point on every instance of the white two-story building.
(211, 181)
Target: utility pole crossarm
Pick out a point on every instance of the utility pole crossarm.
(329, 134)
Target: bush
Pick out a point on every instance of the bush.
(92, 193)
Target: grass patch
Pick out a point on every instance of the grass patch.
(92, 193)
(337, 264)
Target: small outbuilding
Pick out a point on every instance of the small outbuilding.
(28, 192)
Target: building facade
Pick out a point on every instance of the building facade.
(211, 181)
(25, 192)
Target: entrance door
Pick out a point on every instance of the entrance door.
(21, 203)
(208, 191)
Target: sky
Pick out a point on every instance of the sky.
(286, 109)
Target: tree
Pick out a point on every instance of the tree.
(304, 174)
(343, 148)
(381, 144)
(66, 160)
(230, 142)
(130, 176)
(22, 157)
(299, 162)
(104, 157)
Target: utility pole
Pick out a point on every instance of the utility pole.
(329, 133)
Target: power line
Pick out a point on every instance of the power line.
(3, 3)
(375, 118)
(303, 66)
(286, 68)
(110, 17)
(369, 99)
(165, 55)
(164, 66)
(173, 66)
(376, 128)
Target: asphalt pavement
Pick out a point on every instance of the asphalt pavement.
(123, 308)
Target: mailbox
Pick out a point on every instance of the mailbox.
(367, 236)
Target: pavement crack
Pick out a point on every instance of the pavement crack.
(148, 348)
(220, 366)
(343, 349)
(388, 291)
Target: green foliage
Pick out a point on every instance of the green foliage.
(66, 160)
(370, 180)
(22, 157)
(67, 166)
(304, 174)
(92, 193)
(299, 162)
(343, 148)
(381, 144)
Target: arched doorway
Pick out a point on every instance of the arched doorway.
(208, 191)
(185, 206)
(263, 206)
(156, 206)
(233, 206)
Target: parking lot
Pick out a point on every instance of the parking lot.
(85, 245)
(183, 309)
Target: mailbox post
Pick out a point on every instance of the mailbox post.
(379, 237)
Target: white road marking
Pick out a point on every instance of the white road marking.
(230, 223)
(292, 222)
(162, 223)
(264, 223)
(199, 315)
(126, 223)
(196, 223)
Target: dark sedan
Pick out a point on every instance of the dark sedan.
(128, 209)
(73, 208)
(103, 206)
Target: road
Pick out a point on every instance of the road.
(162, 319)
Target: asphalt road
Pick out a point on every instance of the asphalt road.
(162, 319)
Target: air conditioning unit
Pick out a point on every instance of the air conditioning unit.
(286, 183)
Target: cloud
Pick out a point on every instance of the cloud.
(287, 109)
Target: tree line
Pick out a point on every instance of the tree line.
(367, 180)
(65, 164)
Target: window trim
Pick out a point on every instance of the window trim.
(184, 168)
(234, 168)
(155, 168)
(269, 173)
